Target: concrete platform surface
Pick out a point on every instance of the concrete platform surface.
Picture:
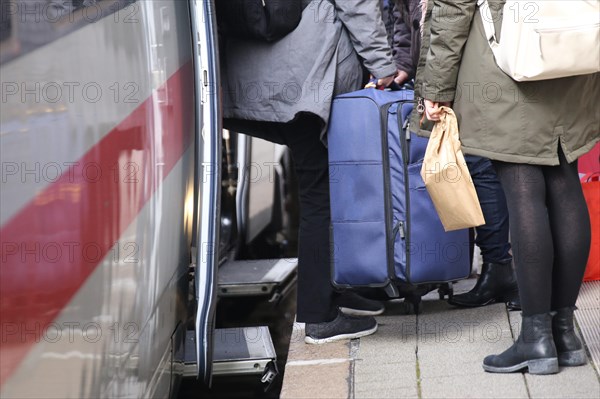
(437, 354)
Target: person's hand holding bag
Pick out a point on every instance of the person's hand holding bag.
(447, 177)
(433, 110)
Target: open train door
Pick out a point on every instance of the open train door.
(208, 178)
(227, 351)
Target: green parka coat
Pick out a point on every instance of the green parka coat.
(499, 118)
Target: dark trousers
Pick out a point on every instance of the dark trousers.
(492, 238)
(316, 295)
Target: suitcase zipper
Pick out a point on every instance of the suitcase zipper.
(387, 190)
(399, 229)
(406, 128)
(404, 138)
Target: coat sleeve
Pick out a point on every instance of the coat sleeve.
(362, 19)
(388, 19)
(450, 25)
(401, 48)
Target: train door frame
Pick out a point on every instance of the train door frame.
(208, 175)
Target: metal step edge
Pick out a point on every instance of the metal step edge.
(263, 271)
(272, 274)
(248, 289)
(236, 366)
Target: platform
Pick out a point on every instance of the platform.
(437, 354)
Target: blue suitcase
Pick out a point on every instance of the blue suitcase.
(385, 229)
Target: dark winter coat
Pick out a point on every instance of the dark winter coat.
(500, 118)
(302, 72)
(407, 35)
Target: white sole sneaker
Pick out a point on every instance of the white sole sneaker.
(340, 337)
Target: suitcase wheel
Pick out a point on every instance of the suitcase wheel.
(413, 304)
(446, 290)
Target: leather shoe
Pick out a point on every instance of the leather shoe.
(496, 284)
(513, 301)
(533, 350)
(569, 347)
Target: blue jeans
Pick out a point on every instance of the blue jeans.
(492, 238)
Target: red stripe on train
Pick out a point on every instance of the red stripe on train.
(56, 241)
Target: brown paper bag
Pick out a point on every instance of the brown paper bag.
(447, 177)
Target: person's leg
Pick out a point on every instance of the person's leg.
(533, 247)
(497, 281)
(532, 244)
(492, 237)
(571, 233)
(317, 300)
(316, 296)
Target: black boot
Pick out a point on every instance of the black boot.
(569, 347)
(497, 283)
(513, 301)
(533, 350)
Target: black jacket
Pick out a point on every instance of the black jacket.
(407, 35)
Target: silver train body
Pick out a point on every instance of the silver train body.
(111, 180)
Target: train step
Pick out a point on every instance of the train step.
(237, 352)
(263, 277)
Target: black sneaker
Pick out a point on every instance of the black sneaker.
(353, 304)
(340, 328)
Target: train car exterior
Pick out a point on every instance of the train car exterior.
(108, 160)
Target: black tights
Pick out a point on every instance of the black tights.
(550, 232)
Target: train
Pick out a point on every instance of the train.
(126, 210)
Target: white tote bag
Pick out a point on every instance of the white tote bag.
(545, 39)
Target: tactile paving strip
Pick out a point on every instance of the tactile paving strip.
(588, 318)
